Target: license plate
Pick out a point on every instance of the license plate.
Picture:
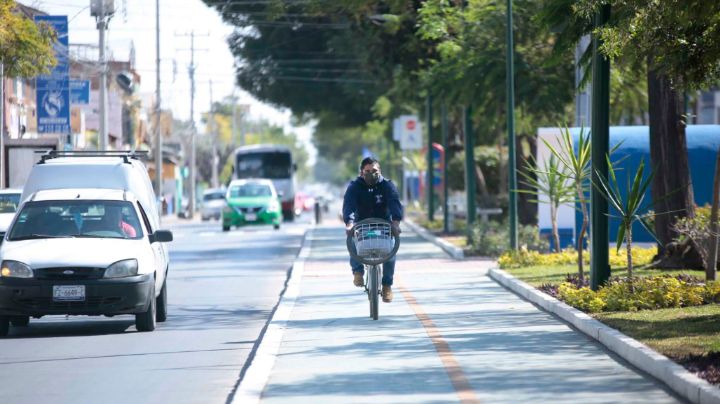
(69, 293)
(251, 217)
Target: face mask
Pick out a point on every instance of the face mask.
(371, 178)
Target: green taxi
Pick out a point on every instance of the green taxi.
(251, 202)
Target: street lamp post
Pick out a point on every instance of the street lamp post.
(430, 175)
(444, 129)
(469, 173)
(103, 11)
(512, 175)
(600, 140)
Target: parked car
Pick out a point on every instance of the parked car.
(212, 204)
(9, 201)
(303, 203)
(251, 202)
(85, 241)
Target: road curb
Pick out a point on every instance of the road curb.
(258, 373)
(452, 250)
(640, 355)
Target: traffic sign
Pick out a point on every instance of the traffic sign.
(410, 133)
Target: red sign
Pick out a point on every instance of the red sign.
(410, 125)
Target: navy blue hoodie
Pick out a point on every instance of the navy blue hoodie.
(362, 201)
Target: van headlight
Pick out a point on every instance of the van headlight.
(122, 269)
(15, 269)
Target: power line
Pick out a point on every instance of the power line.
(323, 79)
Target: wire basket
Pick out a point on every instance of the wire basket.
(374, 242)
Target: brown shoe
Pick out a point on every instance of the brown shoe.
(358, 279)
(387, 293)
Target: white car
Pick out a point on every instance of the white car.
(212, 204)
(9, 201)
(91, 249)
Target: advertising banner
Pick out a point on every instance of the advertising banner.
(53, 92)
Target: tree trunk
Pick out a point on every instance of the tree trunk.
(583, 229)
(628, 238)
(711, 264)
(527, 208)
(672, 189)
(553, 221)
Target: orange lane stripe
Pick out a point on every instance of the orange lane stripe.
(465, 392)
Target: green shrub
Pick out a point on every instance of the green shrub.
(568, 256)
(639, 294)
(584, 298)
(492, 238)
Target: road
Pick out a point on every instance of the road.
(222, 289)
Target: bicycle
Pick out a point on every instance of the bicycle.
(372, 242)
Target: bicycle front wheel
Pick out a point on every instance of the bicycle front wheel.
(373, 291)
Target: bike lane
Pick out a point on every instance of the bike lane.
(450, 335)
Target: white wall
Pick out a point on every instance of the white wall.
(566, 212)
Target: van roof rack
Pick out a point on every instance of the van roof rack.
(125, 154)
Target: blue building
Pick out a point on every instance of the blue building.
(703, 142)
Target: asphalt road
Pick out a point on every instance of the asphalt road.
(222, 288)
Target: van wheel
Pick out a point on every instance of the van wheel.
(226, 228)
(161, 303)
(146, 321)
(20, 321)
(4, 326)
(276, 226)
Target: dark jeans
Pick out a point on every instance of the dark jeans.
(388, 269)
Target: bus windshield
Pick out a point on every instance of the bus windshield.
(273, 165)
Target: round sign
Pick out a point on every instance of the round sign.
(410, 125)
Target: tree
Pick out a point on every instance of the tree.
(550, 183)
(630, 207)
(577, 167)
(680, 44)
(26, 49)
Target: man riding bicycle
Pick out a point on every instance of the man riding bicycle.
(372, 196)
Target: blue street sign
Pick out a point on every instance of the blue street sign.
(80, 92)
(53, 92)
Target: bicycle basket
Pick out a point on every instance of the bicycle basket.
(374, 242)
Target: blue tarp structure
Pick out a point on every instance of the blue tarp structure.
(703, 142)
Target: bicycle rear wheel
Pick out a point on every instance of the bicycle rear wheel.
(373, 291)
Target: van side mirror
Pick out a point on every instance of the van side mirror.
(280, 194)
(161, 236)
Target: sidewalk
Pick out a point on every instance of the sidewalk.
(451, 335)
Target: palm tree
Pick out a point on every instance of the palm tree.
(550, 182)
(629, 207)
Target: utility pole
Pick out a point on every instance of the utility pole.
(193, 166)
(99, 10)
(211, 129)
(158, 110)
(193, 129)
(2, 124)
(234, 118)
(512, 160)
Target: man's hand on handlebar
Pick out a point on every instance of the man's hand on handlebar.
(395, 228)
(348, 228)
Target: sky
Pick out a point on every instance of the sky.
(134, 23)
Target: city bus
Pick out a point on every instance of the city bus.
(273, 162)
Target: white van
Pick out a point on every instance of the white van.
(85, 241)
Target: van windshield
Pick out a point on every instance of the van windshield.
(88, 218)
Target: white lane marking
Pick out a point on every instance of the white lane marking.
(258, 374)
